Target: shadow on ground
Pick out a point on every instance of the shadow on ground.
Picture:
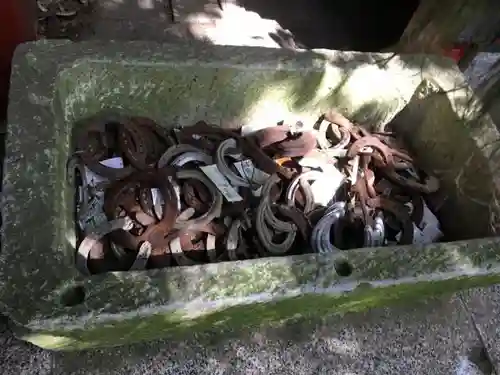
(341, 25)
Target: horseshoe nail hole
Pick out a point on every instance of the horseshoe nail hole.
(73, 295)
(343, 268)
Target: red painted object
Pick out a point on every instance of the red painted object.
(17, 25)
(457, 52)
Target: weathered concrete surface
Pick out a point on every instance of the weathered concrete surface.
(229, 86)
(435, 337)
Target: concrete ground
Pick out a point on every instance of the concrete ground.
(452, 335)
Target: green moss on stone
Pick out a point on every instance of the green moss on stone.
(242, 319)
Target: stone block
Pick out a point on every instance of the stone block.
(55, 83)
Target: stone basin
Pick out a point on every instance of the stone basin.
(55, 83)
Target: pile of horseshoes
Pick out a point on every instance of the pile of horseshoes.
(201, 193)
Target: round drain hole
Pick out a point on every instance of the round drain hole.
(73, 295)
(343, 268)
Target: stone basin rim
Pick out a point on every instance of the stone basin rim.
(268, 281)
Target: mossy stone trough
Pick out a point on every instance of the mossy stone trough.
(56, 83)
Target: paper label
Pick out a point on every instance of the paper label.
(325, 188)
(94, 217)
(93, 178)
(210, 248)
(142, 257)
(156, 196)
(158, 201)
(428, 218)
(229, 192)
(246, 169)
(317, 160)
(430, 226)
(432, 233)
(175, 246)
(417, 235)
(420, 237)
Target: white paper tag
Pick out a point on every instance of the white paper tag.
(419, 237)
(141, 260)
(156, 197)
(246, 169)
(175, 246)
(432, 233)
(94, 216)
(93, 178)
(210, 248)
(158, 201)
(222, 183)
(430, 226)
(315, 160)
(428, 218)
(325, 188)
(319, 160)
